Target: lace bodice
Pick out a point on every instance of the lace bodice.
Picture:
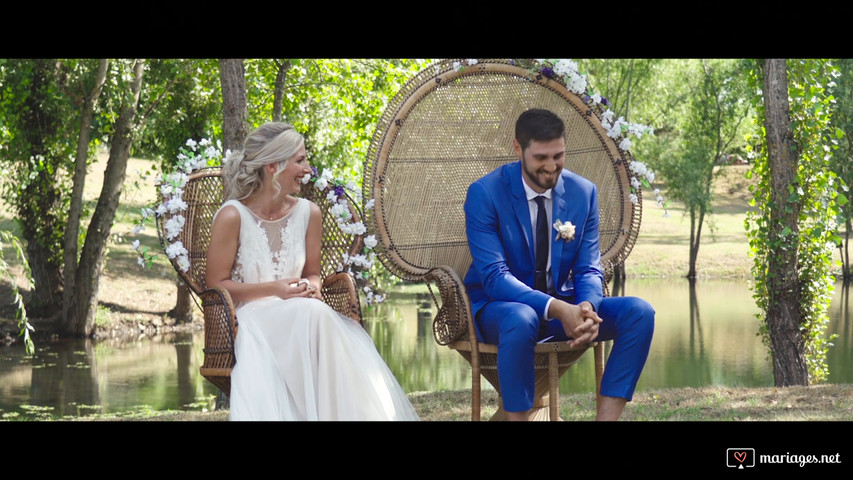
(270, 249)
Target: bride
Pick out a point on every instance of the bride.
(297, 359)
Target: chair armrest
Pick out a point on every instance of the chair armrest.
(453, 321)
(339, 292)
(220, 329)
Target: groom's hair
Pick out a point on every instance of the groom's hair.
(540, 125)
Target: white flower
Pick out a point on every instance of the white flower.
(184, 263)
(625, 144)
(457, 66)
(340, 211)
(370, 241)
(176, 204)
(566, 231)
(191, 143)
(140, 261)
(352, 228)
(321, 183)
(369, 204)
(135, 245)
(635, 183)
(639, 168)
(565, 67)
(332, 197)
(327, 174)
(176, 249)
(137, 229)
(633, 198)
(146, 212)
(161, 209)
(306, 179)
(471, 61)
(174, 225)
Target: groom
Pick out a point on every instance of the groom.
(526, 286)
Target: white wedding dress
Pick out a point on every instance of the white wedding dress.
(298, 359)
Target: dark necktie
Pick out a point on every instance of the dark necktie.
(542, 237)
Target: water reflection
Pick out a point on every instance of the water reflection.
(82, 377)
(705, 335)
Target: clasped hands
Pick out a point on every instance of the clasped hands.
(299, 287)
(580, 322)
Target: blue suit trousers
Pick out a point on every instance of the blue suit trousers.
(515, 328)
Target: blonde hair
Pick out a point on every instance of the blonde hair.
(273, 142)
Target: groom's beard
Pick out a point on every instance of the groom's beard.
(540, 177)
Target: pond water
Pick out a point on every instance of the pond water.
(702, 338)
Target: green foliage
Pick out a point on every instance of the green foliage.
(7, 238)
(842, 157)
(815, 190)
(187, 99)
(335, 103)
(626, 82)
(39, 141)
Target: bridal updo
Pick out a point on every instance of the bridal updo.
(273, 142)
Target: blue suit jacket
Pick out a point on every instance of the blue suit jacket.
(500, 236)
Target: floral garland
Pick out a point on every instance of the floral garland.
(203, 154)
(359, 265)
(618, 129)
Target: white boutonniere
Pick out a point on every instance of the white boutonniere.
(566, 231)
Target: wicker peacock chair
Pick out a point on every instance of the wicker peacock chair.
(446, 128)
(204, 195)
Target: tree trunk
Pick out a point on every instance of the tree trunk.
(278, 92)
(81, 321)
(183, 311)
(618, 280)
(845, 251)
(234, 102)
(784, 318)
(72, 230)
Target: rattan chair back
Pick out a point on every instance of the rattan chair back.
(446, 128)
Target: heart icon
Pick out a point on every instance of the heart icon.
(740, 456)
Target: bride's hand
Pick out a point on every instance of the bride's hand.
(295, 287)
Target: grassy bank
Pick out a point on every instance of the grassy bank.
(817, 403)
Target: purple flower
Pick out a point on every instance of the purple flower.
(547, 71)
(605, 102)
(339, 190)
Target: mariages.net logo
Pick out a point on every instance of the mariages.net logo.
(742, 458)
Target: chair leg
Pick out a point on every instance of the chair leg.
(553, 387)
(475, 391)
(598, 353)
